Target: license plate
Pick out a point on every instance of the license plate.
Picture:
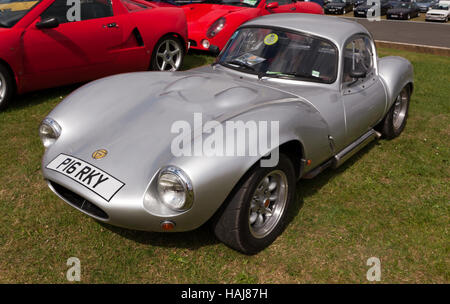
(394, 16)
(91, 177)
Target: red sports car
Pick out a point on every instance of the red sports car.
(48, 43)
(212, 22)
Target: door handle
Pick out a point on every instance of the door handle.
(111, 25)
(293, 8)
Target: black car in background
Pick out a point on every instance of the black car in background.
(338, 7)
(403, 10)
(363, 9)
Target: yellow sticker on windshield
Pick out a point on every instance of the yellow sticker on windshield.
(271, 39)
(17, 6)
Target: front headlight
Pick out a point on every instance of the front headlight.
(49, 131)
(216, 27)
(175, 189)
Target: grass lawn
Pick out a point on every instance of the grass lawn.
(389, 201)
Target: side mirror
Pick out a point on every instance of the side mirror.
(358, 74)
(47, 23)
(272, 5)
(214, 49)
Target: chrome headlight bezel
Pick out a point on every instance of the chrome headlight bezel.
(216, 27)
(49, 131)
(183, 180)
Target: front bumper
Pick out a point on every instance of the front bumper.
(397, 16)
(123, 210)
(362, 14)
(334, 11)
(435, 18)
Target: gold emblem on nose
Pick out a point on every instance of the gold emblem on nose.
(99, 154)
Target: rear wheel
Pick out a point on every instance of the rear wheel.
(168, 54)
(395, 120)
(256, 213)
(6, 87)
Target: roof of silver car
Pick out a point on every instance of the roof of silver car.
(333, 28)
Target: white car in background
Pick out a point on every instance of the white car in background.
(439, 12)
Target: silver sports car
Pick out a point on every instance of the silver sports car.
(289, 96)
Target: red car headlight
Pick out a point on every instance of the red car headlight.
(216, 27)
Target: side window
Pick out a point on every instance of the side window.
(132, 6)
(280, 2)
(78, 10)
(357, 57)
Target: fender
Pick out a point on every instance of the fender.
(211, 191)
(395, 72)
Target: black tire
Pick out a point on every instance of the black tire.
(232, 225)
(6, 87)
(390, 127)
(156, 64)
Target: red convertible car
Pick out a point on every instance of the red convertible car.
(212, 22)
(48, 43)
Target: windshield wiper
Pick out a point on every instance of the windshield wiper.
(243, 64)
(289, 74)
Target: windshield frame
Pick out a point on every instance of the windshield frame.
(38, 2)
(277, 28)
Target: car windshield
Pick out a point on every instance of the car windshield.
(11, 11)
(441, 7)
(248, 3)
(281, 54)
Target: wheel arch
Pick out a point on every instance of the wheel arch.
(11, 71)
(396, 73)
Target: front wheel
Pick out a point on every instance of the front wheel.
(6, 87)
(168, 54)
(255, 215)
(395, 120)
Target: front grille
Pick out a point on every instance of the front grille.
(78, 201)
(192, 42)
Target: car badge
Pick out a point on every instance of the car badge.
(99, 154)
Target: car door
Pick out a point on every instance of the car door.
(364, 98)
(284, 6)
(77, 49)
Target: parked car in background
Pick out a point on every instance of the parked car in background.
(425, 5)
(357, 3)
(403, 10)
(366, 10)
(109, 145)
(47, 43)
(212, 22)
(439, 12)
(338, 7)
